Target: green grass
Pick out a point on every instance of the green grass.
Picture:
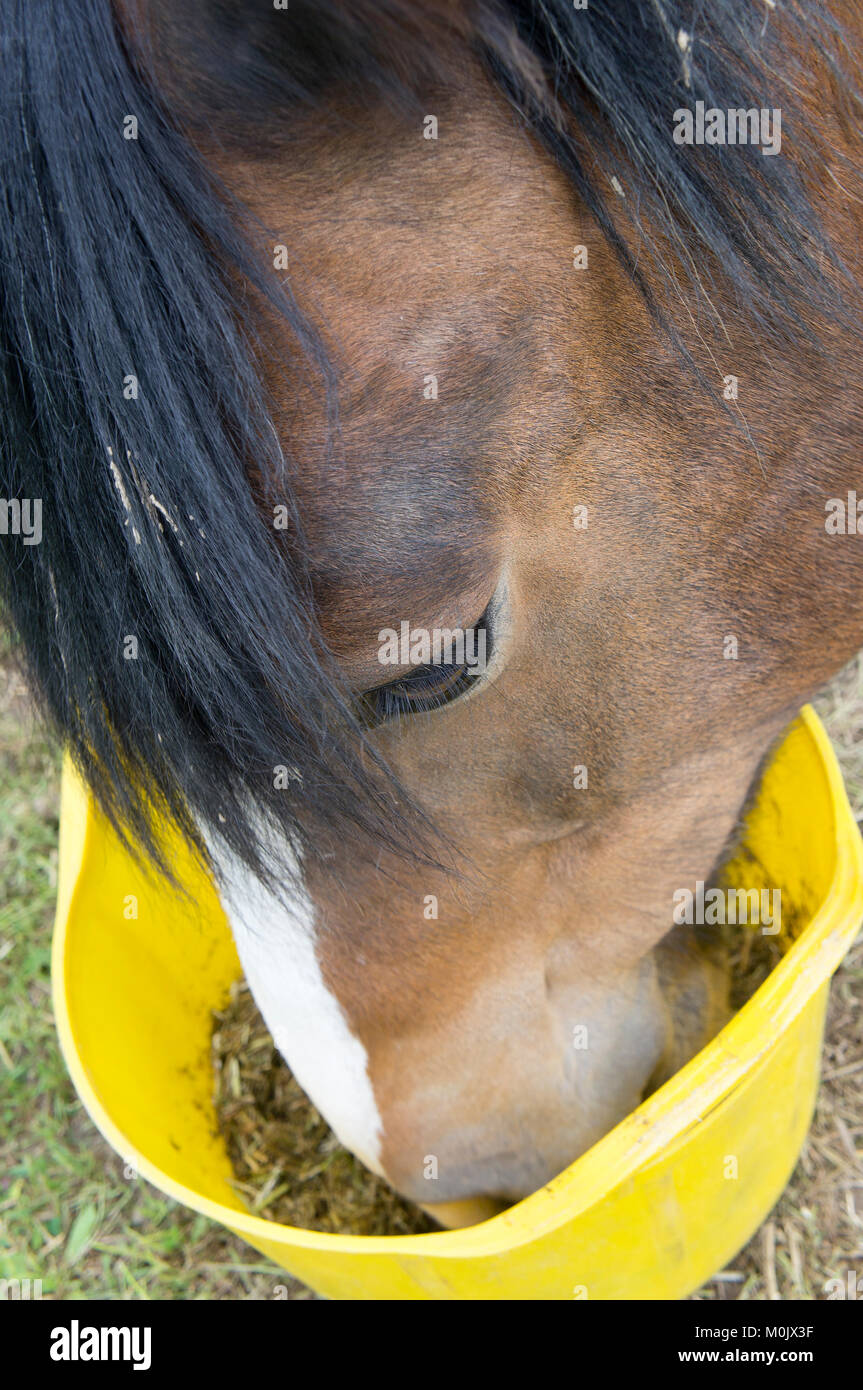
(68, 1216)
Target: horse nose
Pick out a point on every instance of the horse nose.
(465, 1186)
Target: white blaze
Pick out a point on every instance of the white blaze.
(277, 952)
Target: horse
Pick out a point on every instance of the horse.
(334, 336)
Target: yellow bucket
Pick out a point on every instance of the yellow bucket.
(649, 1212)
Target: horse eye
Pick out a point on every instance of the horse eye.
(461, 658)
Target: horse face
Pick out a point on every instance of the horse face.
(517, 441)
(645, 579)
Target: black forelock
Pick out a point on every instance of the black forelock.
(123, 257)
(120, 258)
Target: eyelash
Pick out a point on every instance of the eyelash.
(422, 689)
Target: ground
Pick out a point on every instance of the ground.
(69, 1216)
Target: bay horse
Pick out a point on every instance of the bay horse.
(326, 323)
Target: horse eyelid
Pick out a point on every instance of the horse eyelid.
(496, 621)
(448, 695)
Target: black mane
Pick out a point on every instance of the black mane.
(122, 257)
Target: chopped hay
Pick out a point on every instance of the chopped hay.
(289, 1166)
(751, 957)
